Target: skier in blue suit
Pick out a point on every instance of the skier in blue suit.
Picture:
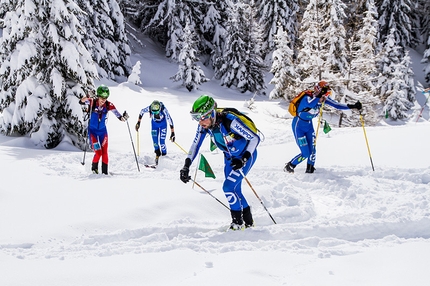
(303, 128)
(160, 117)
(239, 144)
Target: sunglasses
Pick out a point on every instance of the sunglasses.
(197, 116)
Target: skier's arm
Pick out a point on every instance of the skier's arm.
(238, 127)
(195, 147)
(336, 104)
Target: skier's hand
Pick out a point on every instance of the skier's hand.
(125, 115)
(236, 163)
(137, 126)
(356, 105)
(172, 136)
(184, 174)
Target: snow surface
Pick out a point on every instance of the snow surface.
(343, 225)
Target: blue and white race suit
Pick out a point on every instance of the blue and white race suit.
(233, 138)
(303, 128)
(159, 126)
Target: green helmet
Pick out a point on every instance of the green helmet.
(155, 107)
(203, 107)
(103, 91)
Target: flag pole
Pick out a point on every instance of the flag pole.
(195, 174)
(198, 185)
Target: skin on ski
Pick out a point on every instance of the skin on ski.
(153, 166)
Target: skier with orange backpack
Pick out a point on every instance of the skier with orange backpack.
(308, 108)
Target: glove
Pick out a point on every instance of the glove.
(125, 115)
(137, 126)
(184, 173)
(172, 136)
(237, 163)
(356, 105)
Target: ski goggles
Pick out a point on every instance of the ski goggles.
(197, 116)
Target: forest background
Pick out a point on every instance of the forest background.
(52, 52)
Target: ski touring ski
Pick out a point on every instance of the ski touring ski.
(152, 166)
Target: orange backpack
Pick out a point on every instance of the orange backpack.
(294, 103)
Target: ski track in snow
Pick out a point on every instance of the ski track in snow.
(324, 214)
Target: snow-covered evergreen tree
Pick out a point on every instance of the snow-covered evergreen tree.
(213, 30)
(360, 83)
(241, 65)
(174, 15)
(310, 60)
(425, 31)
(134, 77)
(276, 14)
(401, 97)
(44, 69)
(105, 37)
(334, 45)
(285, 77)
(396, 81)
(363, 53)
(189, 72)
(400, 18)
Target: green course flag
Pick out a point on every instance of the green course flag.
(326, 128)
(213, 146)
(204, 166)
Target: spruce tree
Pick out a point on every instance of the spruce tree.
(105, 37)
(361, 76)
(241, 65)
(283, 68)
(310, 60)
(276, 14)
(44, 70)
(397, 90)
(425, 31)
(213, 30)
(400, 18)
(189, 72)
(174, 15)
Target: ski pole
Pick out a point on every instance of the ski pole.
(138, 143)
(209, 194)
(131, 139)
(198, 183)
(87, 117)
(367, 143)
(249, 184)
(319, 123)
(181, 148)
(85, 150)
